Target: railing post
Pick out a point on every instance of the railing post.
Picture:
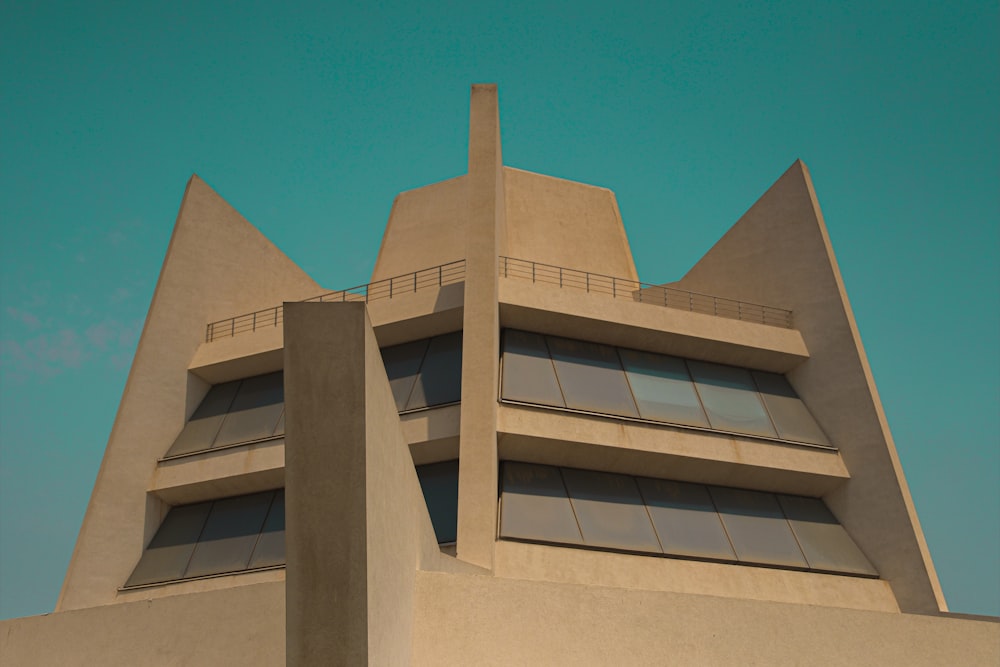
(739, 310)
(390, 288)
(276, 316)
(254, 327)
(506, 267)
(232, 327)
(440, 277)
(208, 332)
(560, 276)
(690, 302)
(532, 272)
(588, 281)
(614, 287)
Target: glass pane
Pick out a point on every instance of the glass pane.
(255, 411)
(528, 374)
(230, 534)
(610, 511)
(685, 519)
(591, 377)
(270, 549)
(167, 555)
(825, 543)
(535, 506)
(439, 482)
(200, 431)
(440, 378)
(790, 415)
(280, 428)
(730, 398)
(402, 362)
(662, 388)
(757, 527)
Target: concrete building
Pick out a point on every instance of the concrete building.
(505, 449)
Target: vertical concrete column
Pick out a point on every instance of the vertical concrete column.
(351, 495)
(485, 240)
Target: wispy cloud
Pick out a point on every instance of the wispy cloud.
(44, 355)
(29, 320)
(101, 334)
(60, 349)
(120, 294)
(48, 354)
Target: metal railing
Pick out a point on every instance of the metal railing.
(659, 295)
(437, 276)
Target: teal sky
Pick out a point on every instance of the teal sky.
(309, 118)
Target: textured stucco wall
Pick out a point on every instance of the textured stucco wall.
(462, 620)
(242, 627)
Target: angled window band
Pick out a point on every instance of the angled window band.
(603, 379)
(224, 536)
(642, 515)
(235, 412)
(422, 374)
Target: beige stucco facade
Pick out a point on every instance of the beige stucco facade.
(365, 580)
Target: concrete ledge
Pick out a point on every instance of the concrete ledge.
(217, 473)
(409, 316)
(540, 435)
(241, 356)
(548, 309)
(539, 562)
(422, 314)
(432, 434)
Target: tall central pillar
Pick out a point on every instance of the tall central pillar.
(485, 241)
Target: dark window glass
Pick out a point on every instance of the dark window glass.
(440, 378)
(215, 537)
(591, 377)
(825, 543)
(230, 534)
(402, 363)
(439, 482)
(606, 380)
(730, 398)
(685, 519)
(535, 505)
(270, 549)
(648, 515)
(200, 431)
(168, 553)
(788, 412)
(528, 374)
(757, 527)
(422, 374)
(255, 412)
(662, 388)
(610, 511)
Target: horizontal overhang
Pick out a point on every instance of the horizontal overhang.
(410, 316)
(599, 318)
(555, 437)
(218, 473)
